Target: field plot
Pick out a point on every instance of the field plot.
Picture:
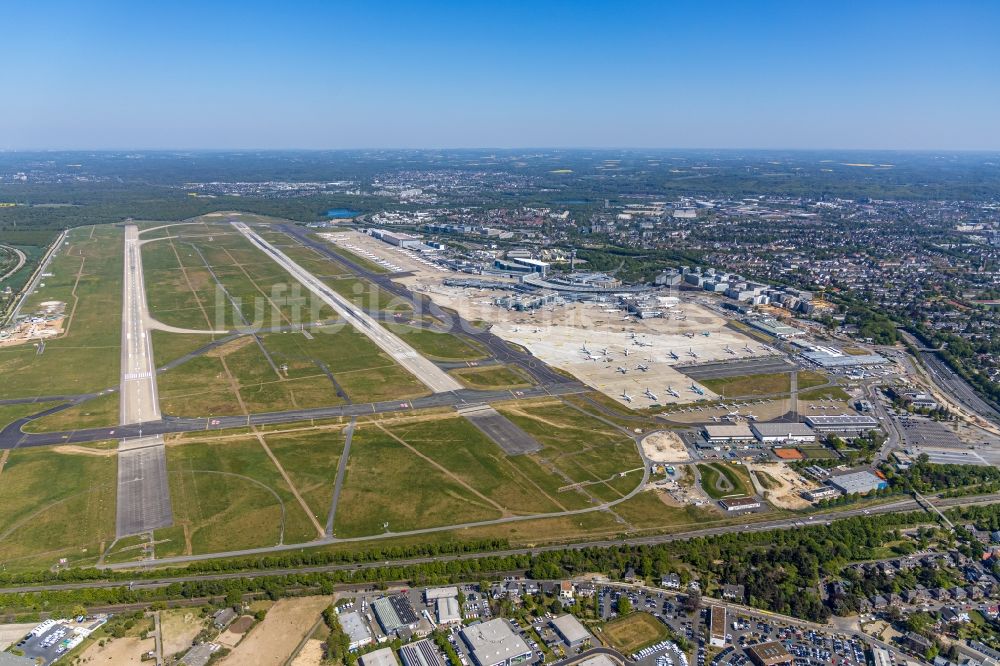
(310, 459)
(634, 632)
(195, 278)
(492, 377)
(388, 482)
(229, 495)
(56, 503)
(98, 412)
(179, 627)
(87, 277)
(272, 642)
(587, 456)
(438, 346)
(11, 413)
(457, 445)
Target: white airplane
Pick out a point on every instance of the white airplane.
(652, 396)
(671, 391)
(626, 397)
(692, 352)
(730, 350)
(583, 347)
(622, 370)
(747, 349)
(626, 351)
(689, 335)
(751, 416)
(605, 351)
(673, 355)
(537, 330)
(642, 367)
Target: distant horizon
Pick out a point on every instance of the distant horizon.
(985, 151)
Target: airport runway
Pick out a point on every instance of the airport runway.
(436, 379)
(143, 493)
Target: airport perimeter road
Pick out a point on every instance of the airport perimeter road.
(784, 523)
(433, 377)
(143, 494)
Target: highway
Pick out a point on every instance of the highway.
(436, 379)
(143, 493)
(782, 523)
(36, 277)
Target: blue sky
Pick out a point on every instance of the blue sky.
(740, 74)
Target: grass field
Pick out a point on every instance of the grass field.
(817, 452)
(491, 377)
(229, 495)
(579, 449)
(827, 392)
(748, 386)
(11, 413)
(311, 460)
(86, 275)
(388, 483)
(55, 504)
(438, 346)
(457, 445)
(633, 632)
(98, 412)
(721, 480)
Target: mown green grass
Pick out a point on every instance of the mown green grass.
(87, 358)
(311, 461)
(438, 346)
(229, 511)
(492, 377)
(11, 413)
(55, 505)
(387, 483)
(95, 413)
(737, 482)
(459, 446)
(580, 446)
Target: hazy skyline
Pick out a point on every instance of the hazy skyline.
(880, 75)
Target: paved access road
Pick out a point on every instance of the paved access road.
(784, 523)
(433, 377)
(143, 493)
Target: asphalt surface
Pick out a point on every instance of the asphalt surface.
(143, 493)
(433, 377)
(507, 434)
(737, 368)
(12, 437)
(450, 322)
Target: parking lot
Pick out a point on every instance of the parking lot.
(53, 638)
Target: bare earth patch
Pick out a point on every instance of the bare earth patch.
(12, 633)
(179, 629)
(665, 447)
(791, 485)
(311, 654)
(274, 639)
(127, 650)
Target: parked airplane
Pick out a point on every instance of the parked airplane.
(692, 352)
(697, 390)
(642, 367)
(626, 397)
(729, 350)
(689, 335)
(752, 417)
(622, 370)
(671, 391)
(706, 333)
(673, 355)
(626, 351)
(747, 349)
(651, 395)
